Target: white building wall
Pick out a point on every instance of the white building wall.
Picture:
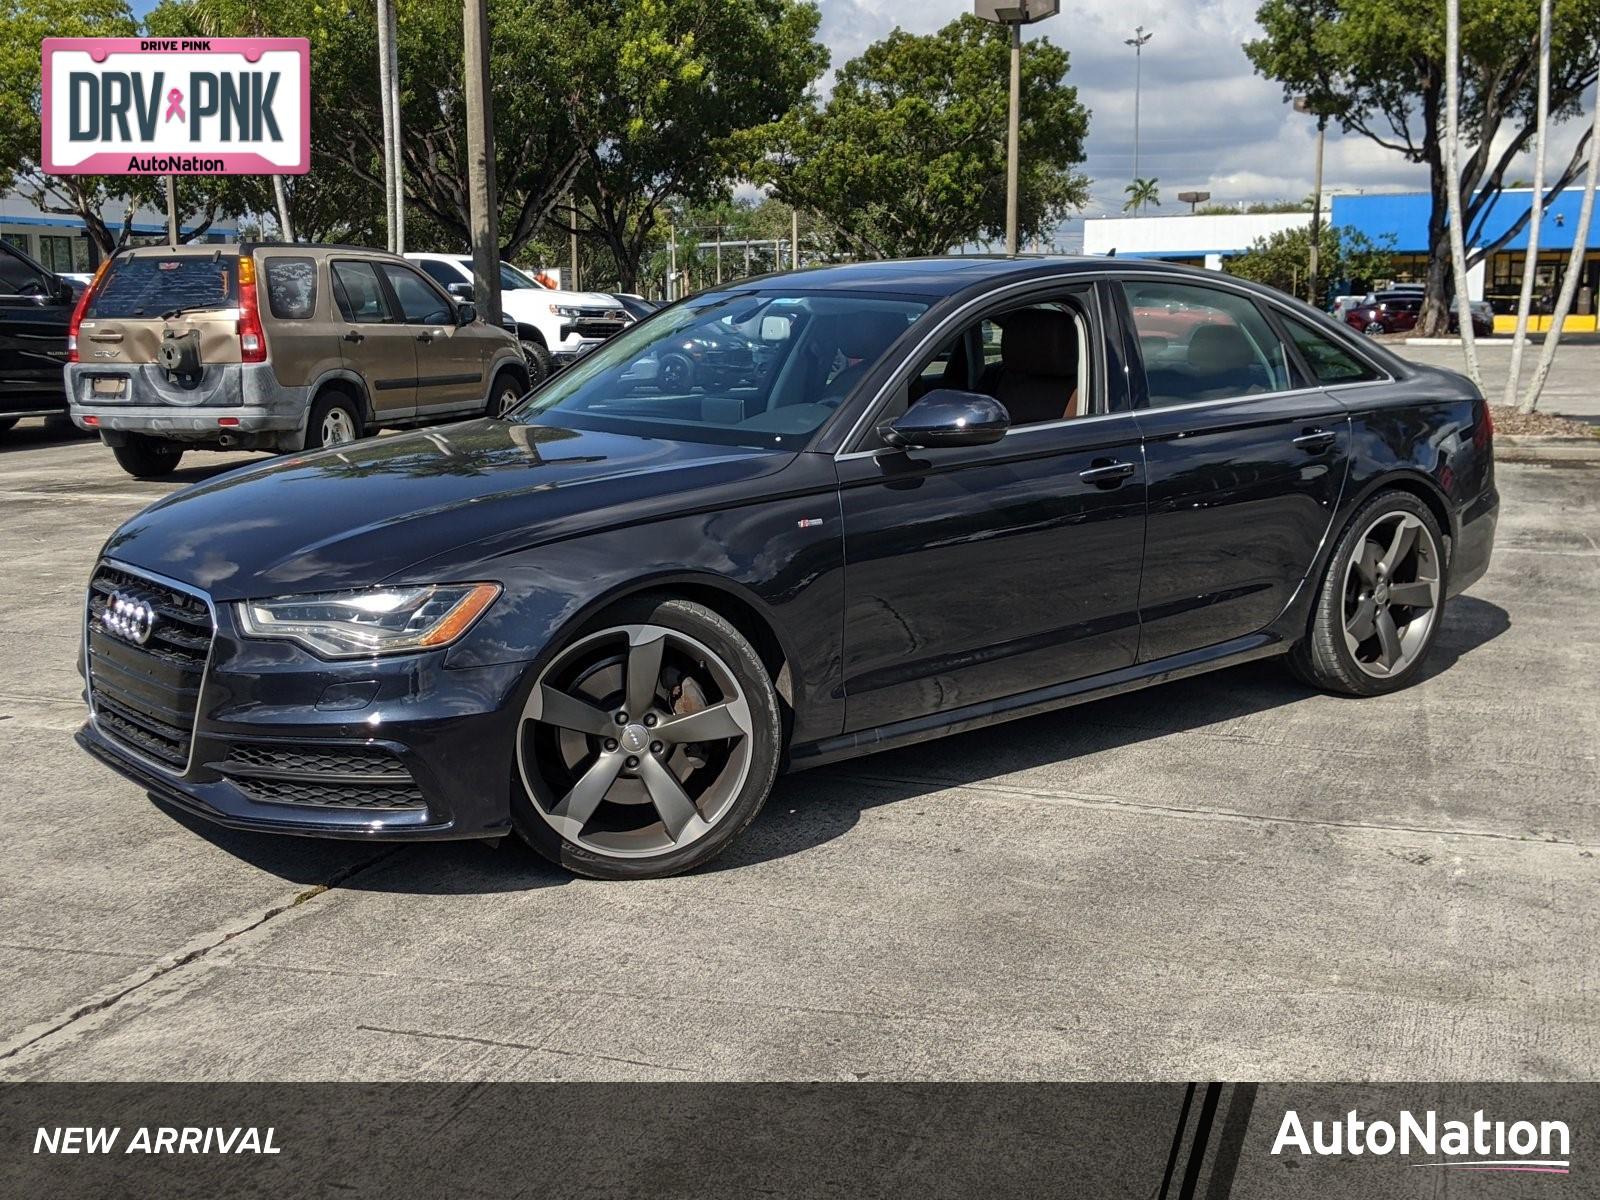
(1185, 236)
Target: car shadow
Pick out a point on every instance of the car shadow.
(812, 808)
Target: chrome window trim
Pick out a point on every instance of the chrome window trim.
(205, 669)
(902, 373)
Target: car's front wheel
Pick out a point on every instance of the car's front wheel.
(1381, 601)
(647, 743)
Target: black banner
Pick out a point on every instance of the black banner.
(1141, 1141)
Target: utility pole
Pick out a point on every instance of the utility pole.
(1137, 41)
(794, 238)
(572, 239)
(394, 128)
(672, 263)
(483, 203)
(1014, 14)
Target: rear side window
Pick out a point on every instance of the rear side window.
(1201, 343)
(291, 288)
(1329, 362)
(359, 294)
(149, 285)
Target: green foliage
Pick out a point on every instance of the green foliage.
(1283, 259)
(1376, 68)
(908, 154)
(1142, 193)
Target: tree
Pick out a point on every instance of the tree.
(90, 198)
(1378, 69)
(1283, 259)
(1140, 193)
(908, 154)
(659, 93)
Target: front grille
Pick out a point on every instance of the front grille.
(146, 696)
(598, 323)
(361, 777)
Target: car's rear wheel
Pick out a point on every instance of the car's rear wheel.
(334, 421)
(1374, 328)
(647, 744)
(677, 373)
(1381, 601)
(507, 392)
(147, 457)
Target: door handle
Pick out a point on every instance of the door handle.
(1315, 441)
(355, 335)
(107, 335)
(1107, 474)
(424, 337)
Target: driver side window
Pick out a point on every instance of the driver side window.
(1034, 358)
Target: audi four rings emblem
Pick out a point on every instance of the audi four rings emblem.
(129, 618)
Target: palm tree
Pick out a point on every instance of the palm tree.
(1452, 163)
(1140, 193)
(1531, 260)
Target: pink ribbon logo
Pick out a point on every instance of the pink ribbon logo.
(175, 105)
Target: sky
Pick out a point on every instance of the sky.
(1207, 123)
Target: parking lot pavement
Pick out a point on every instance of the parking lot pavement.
(1227, 877)
(1569, 392)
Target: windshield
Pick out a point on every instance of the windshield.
(149, 286)
(738, 369)
(511, 279)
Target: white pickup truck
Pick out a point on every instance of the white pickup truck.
(554, 327)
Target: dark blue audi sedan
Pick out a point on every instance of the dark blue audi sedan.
(925, 496)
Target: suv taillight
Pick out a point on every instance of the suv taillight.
(83, 307)
(252, 339)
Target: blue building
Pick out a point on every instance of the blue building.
(1402, 219)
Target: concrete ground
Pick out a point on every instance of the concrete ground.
(1569, 391)
(1228, 877)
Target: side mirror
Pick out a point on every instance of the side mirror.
(946, 417)
(461, 291)
(466, 314)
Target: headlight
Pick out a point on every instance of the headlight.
(368, 623)
(562, 310)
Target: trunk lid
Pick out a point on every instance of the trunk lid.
(155, 291)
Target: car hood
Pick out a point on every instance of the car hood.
(364, 513)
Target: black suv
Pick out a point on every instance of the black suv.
(35, 310)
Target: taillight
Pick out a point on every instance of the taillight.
(252, 340)
(82, 307)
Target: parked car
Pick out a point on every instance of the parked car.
(609, 618)
(1397, 309)
(555, 327)
(35, 311)
(638, 307)
(274, 347)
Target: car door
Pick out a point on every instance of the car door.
(35, 311)
(376, 344)
(1245, 461)
(979, 573)
(450, 358)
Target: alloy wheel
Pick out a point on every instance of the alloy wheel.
(1391, 594)
(337, 428)
(506, 401)
(635, 741)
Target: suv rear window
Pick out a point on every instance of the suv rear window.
(291, 288)
(148, 286)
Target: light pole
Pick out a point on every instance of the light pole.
(1303, 104)
(1014, 14)
(1137, 41)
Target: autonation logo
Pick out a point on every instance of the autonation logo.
(1476, 1145)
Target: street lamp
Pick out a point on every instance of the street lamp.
(1303, 104)
(1193, 199)
(1137, 41)
(1014, 14)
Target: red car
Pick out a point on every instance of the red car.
(1397, 312)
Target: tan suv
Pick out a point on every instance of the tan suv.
(274, 347)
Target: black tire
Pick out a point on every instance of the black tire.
(1323, 658)
(329, 403)
(508, 389)
(540, 365)
(147, 457)
(765, 745)
(676, 373)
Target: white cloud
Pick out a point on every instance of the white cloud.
(1207, 121)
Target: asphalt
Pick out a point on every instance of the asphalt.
(1227, 877)
(1569, 391)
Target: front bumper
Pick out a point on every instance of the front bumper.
(448, 732)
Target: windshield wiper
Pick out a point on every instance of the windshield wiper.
(189, 308)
